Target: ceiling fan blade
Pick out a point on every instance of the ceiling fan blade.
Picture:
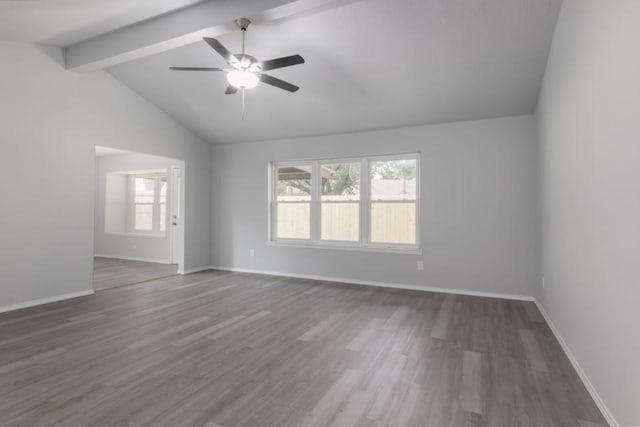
(218, 47)
(270, 80)
(286, 61)
(231, 90)
(195, 69)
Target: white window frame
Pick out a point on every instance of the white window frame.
(364, 243)
(157, 177)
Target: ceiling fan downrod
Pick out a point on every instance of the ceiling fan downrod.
(243, 24)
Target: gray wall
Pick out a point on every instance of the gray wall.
(51, 120)
(477, 212)
(589, 130)
(117, 242)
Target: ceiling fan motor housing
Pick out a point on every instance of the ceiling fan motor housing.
(247, 62)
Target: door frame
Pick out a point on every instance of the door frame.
(175, 204)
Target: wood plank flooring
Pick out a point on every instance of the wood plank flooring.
(227, 349)
(112, 273)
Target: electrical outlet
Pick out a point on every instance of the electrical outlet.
(543, 284)
(420, 265)
(252, 252)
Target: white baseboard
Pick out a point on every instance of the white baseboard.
(379, 284)
(41, 301)
(195, 270)
(606, 413)
(156, 261)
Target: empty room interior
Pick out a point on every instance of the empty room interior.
(320, 213)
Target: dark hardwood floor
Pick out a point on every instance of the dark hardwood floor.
(113, 272)
(227, 349)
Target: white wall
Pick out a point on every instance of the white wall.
(51, 120)
(589, 130)
(477, 212)
(112, 205)
(116, 241)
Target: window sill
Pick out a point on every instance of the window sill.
(132, 234)
(328, 246)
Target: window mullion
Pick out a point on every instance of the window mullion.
(132, 204)
(418, 220)
(316, 182)
(364, 201)
(273, 197)
(155, 210)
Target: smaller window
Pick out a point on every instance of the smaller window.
(148, 203)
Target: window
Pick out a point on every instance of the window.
(393, 201)
(362, 202)
(149, 203)
(340, 202)
(293, 201)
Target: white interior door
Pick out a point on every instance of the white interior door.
(176, 218)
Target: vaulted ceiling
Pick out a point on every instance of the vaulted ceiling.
(369, 64)
(64, 22)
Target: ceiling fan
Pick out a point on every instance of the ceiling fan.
(245, 71)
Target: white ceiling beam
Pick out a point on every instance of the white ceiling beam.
(182, 27)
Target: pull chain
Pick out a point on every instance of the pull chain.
(242, 117)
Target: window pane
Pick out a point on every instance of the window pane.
(293, 211)
(340, 221)
(143, 217)
(340, 181)
(393, 222)
(144, 189)
(339, 218)
(163, 189)
(294, 220)
(293, 183)
(393, 179)
(163, 217)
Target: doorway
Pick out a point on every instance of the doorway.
(138, 227)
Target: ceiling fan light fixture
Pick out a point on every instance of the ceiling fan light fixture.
(245, 71)
(242, 79)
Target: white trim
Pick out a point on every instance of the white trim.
(606, 412)
(365, 214)
(195, 270)
(173, 219)
(47, 300)
(157, 261)
(379, 284)
(316, 206)
(136, 234)
(347, 246)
